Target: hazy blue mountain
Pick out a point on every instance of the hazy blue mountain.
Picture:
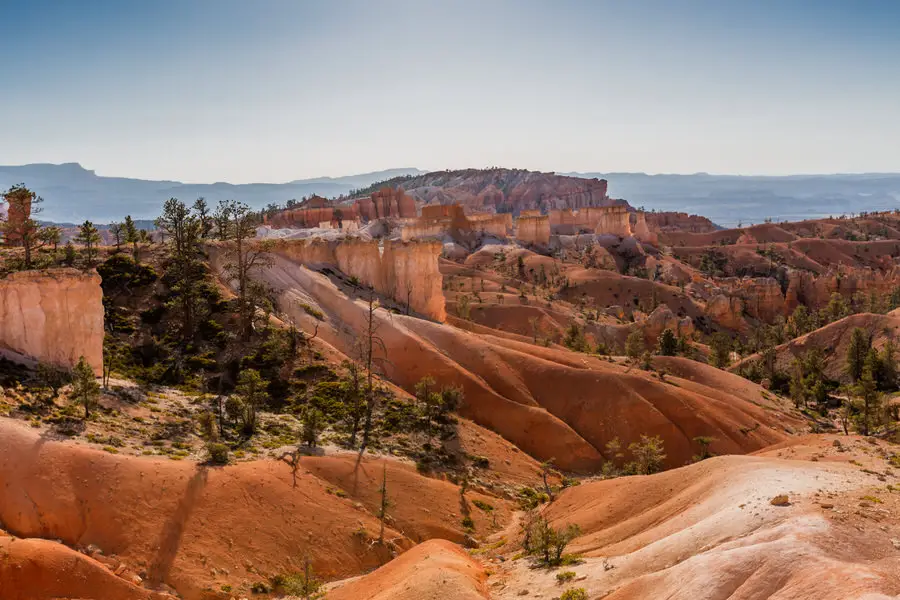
(72, 193)
(732, 199)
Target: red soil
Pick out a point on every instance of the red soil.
(172, 522)
(34, 569)
(435, 570)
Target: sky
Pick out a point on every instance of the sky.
(277, 90)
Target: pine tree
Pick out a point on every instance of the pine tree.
(720, 350)
(668, 343)
(85, 388)
(132, 237)
(89, 237)
(201, 209)
(868, 393)
(185, 265)
(245, 257)
(118, 232)
(857, 351)
(20, 229)
(251, 389)
(634, 345)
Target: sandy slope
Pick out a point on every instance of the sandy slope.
(435, 570)
(708, 531)
(550, 402)
(198, 528)
(34, 569)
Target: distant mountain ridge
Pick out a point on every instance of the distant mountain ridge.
(730, 200)
(72, 193)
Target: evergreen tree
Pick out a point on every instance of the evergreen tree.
(385, 502)
(251, 391)
(118, 232)
(245, 257)
(857, 352)
(184, 265)
(634, 344)
(89, 237)
(85, 388)
(668, 343)
(69, 255)
(23, 231)
(201, 209)
(132, 237)
(870, 397)
(720, 350)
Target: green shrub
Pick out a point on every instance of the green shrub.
(218, 453)
(565, 577)
(260, 588)
(529, 498)
(574, 594)
(547, 545)
(312, 311)
(483, 505)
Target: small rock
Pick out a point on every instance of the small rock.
(896, 544)
(523, 593)
(827, 505)
(780, 500)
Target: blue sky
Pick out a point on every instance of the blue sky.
(222, 90)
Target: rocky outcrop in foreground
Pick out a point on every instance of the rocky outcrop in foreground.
(53, 316)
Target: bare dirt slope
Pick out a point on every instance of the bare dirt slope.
(435, 570)
(198, 528)
(551, 403)
(710, 530)
(34, 569)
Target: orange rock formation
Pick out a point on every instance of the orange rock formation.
(404, 271)
(533, 230)
(53, 316)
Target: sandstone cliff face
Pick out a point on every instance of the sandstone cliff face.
(533, 230)
(642, 230)
(613, 220)
(411, 271)
(450, 219)
(387, 202)
(404, 271)
(53, 316)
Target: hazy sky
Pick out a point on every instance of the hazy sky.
(241, 91)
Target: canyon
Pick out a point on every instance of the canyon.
(535, 305)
